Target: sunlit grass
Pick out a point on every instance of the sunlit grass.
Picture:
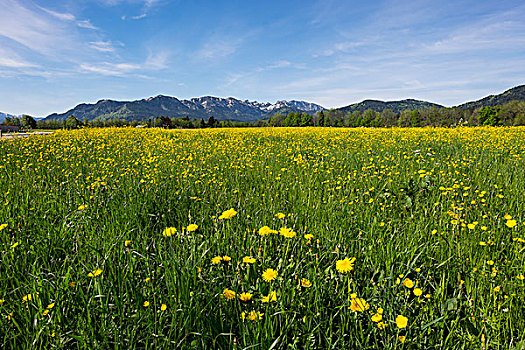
(246, 238)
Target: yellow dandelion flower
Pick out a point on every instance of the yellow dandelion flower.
(305, 283)
(82, 207)
(520, 277)
(308, 236)
(127, 243)
(163, 307)
(280, 215)
(490, 262)
(216, 260)
(226, 258)
(245, 296)
(345, 265)
(511, 223)
(95, 273)
(3, 226)
(228, 294)
(169, 231)
(507, 217)
(50, 306)
(417, 292)
(401, 321)
(358, 304)
(269, 275)
(265, 231)
(16, 244)
(380, 310)
(146, 304)
(254, 316)
(381, 325)
(30, 297)
(192, 227)
(287, 232)
(228, 214)
(272, 296)
(248, 260)
(45, 312)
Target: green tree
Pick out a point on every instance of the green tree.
(28, 122)
(415, 118)
(72, 122)
(489, 116)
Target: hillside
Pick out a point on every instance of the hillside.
(516, 93)
(395, 106)
(200, 108)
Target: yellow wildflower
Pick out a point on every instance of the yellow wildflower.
(245, 296)
(269, 275)
(306, 283)
(272, 296)
(216, 260)
(228, 214)
(228, 294)
(248, 260)
(358, 304)
(192, 227)
(408, 283)
(401, 321)
(287, 232)
(169, 231)
(95, 273)
(345, 265)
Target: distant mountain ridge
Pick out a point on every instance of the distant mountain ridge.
(395, 106)
(516, 93)
(200, 108)
(233, 109)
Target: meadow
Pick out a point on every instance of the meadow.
(267, 238)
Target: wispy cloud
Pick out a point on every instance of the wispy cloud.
(102, 46)
(154, 61)
(107, 68)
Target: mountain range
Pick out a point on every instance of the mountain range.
(248, 111)
(200, 108)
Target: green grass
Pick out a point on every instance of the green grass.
(398, 200)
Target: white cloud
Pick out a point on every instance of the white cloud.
(59, 15)
(218, 49)
(86, 24)
(112, 69)
(102, 46)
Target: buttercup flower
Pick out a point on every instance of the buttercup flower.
(401, 321)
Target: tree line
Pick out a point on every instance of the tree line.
(509, 114)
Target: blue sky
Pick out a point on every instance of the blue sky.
(56, 54)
